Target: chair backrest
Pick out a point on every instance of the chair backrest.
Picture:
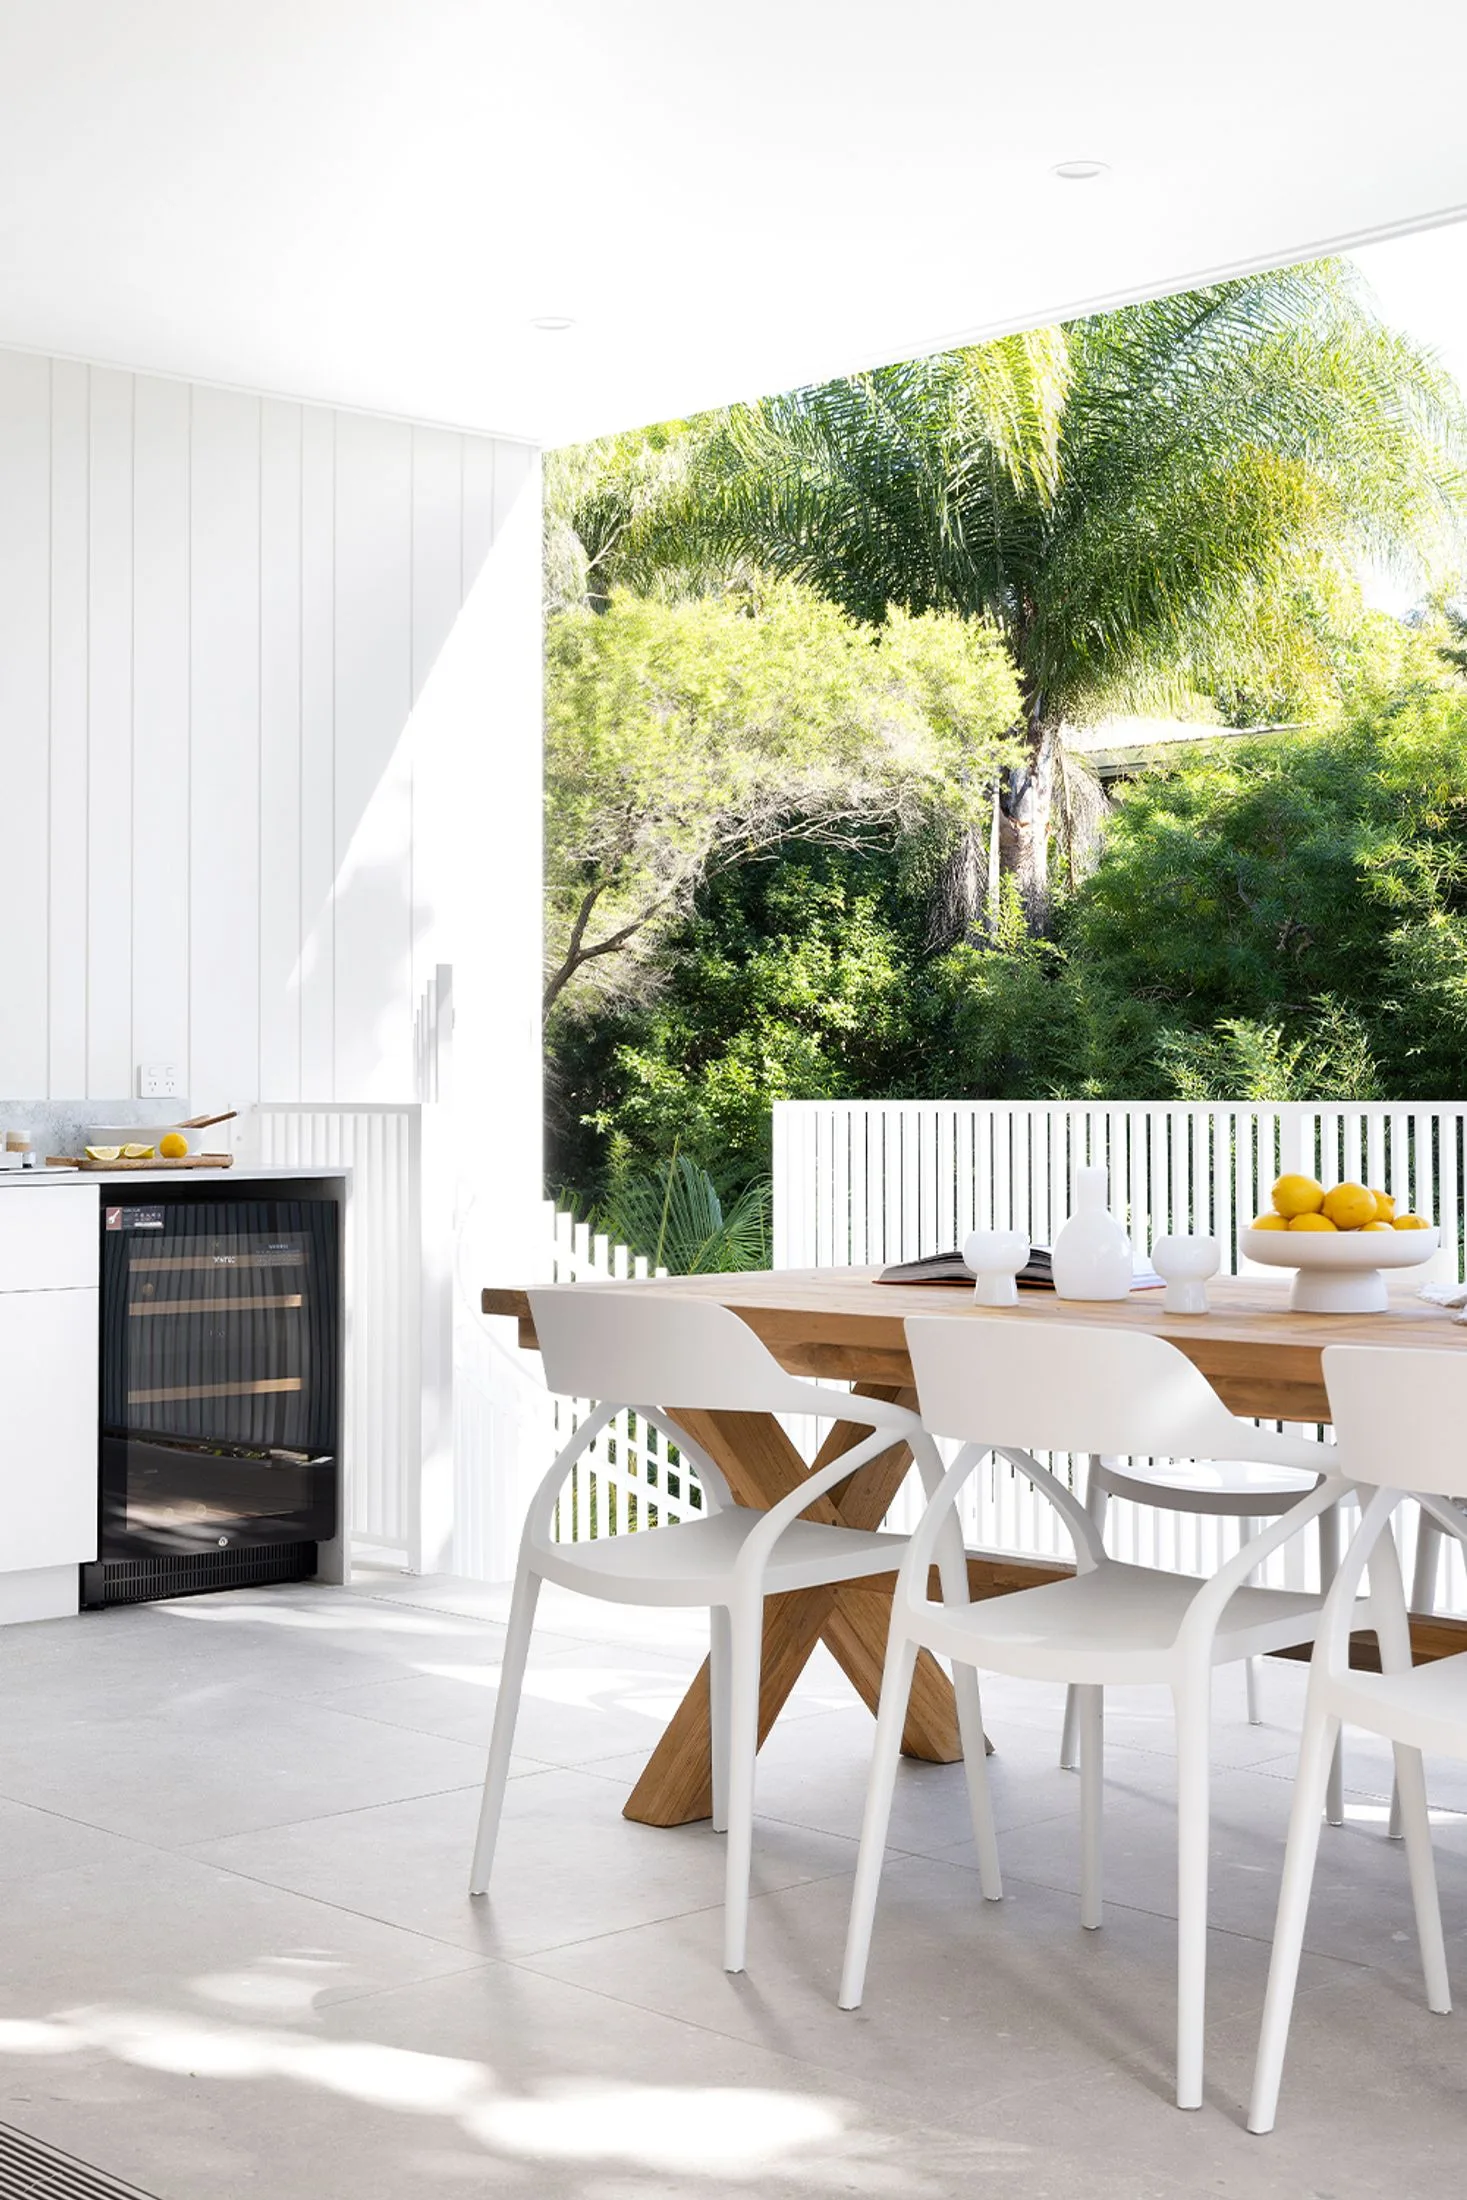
(630, 1344)
(1042, 1385)
(1400, 1415)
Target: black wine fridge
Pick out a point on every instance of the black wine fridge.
(221, 1367)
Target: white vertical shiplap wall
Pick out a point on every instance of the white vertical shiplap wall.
(228, 776)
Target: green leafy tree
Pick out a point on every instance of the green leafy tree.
(1278, 919)
(686, 739)
(1151, 505)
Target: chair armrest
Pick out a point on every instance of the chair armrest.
(762, 1538)
(1207, 1607)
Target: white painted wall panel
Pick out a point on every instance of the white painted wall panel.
(373, 870)
(224, 750)
(280, 750)
(25, 679)
(317, 978)
(259, 665)
(66, 827)
(109, 735)
(161, 764)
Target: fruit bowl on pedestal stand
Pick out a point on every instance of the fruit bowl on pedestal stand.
(1339, 1271)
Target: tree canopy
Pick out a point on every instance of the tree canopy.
(686, 738)
(1153, 505)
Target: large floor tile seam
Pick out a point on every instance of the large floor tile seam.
(1168, 1917)
(835, 2073)
(327, 1817)
(470, 1961)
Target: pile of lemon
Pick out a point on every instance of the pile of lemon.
(1301, 1204)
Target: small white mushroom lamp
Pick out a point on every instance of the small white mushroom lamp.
(995, 1257)
(1185, 1263)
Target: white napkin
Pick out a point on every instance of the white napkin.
(1447, 1294)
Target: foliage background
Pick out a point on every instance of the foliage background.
(814, 827)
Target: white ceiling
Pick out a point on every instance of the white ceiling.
(366, 201)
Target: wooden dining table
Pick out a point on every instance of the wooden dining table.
(843, 1325)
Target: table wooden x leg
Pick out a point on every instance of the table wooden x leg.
(762, 1465)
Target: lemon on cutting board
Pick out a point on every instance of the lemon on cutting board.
(137, 1153)
(104, 1153)
(173, 1146)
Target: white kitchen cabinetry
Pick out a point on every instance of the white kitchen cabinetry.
(48, 1396)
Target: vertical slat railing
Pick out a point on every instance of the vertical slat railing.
(383, 1401)
(929, 1170)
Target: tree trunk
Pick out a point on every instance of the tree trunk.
(1026, 807)
(955, 911)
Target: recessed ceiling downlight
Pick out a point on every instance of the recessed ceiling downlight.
(551, 324)
(1080, 171)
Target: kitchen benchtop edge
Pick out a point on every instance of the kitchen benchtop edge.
(236, 1175)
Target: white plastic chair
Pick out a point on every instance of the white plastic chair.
(1245, 1490)
(1002, 1386)
(1392, 1408)
(655, 1353)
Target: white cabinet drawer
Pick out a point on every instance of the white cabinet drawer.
(48, 1237)
(48, 1422)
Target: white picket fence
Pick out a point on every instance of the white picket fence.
(860, 1183)
(865, 1183)
(629, 1477)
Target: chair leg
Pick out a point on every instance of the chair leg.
(1193, 1701)
(896, 1687)
(1097, 1498)
(1416, 1828)
(746, 1631)
(1252, 1667)
(1329, 1566)
(952, 1563)
(720, 1660)
(1092, 1799)
(1316, 1751)
(506, 1712)
(1423, 1599)
(1392, 1622)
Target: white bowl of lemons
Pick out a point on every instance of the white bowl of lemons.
(1338, 1242)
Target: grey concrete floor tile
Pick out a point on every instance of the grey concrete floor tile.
(187, 1773)
(514, 2085)
(569, 1865)
(206, 1648)
(813, 1772)
(1013, 1994)
(578, 1701)
(139, 1920)
(306, 2002)
(37, 1841)
(1361, 1908)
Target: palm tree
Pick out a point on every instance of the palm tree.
(1153, 505)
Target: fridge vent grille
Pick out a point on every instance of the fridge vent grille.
(30, 2171)
(143, 1580)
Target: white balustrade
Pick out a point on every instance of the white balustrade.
(866, 1183)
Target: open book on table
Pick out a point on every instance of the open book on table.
(1035, 1275)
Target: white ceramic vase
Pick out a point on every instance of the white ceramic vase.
(1092, 1254)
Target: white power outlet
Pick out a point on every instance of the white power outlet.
(159, 1081)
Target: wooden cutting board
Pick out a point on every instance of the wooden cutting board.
(111, 1168)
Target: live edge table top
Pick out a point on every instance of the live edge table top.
(1260, 1357)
